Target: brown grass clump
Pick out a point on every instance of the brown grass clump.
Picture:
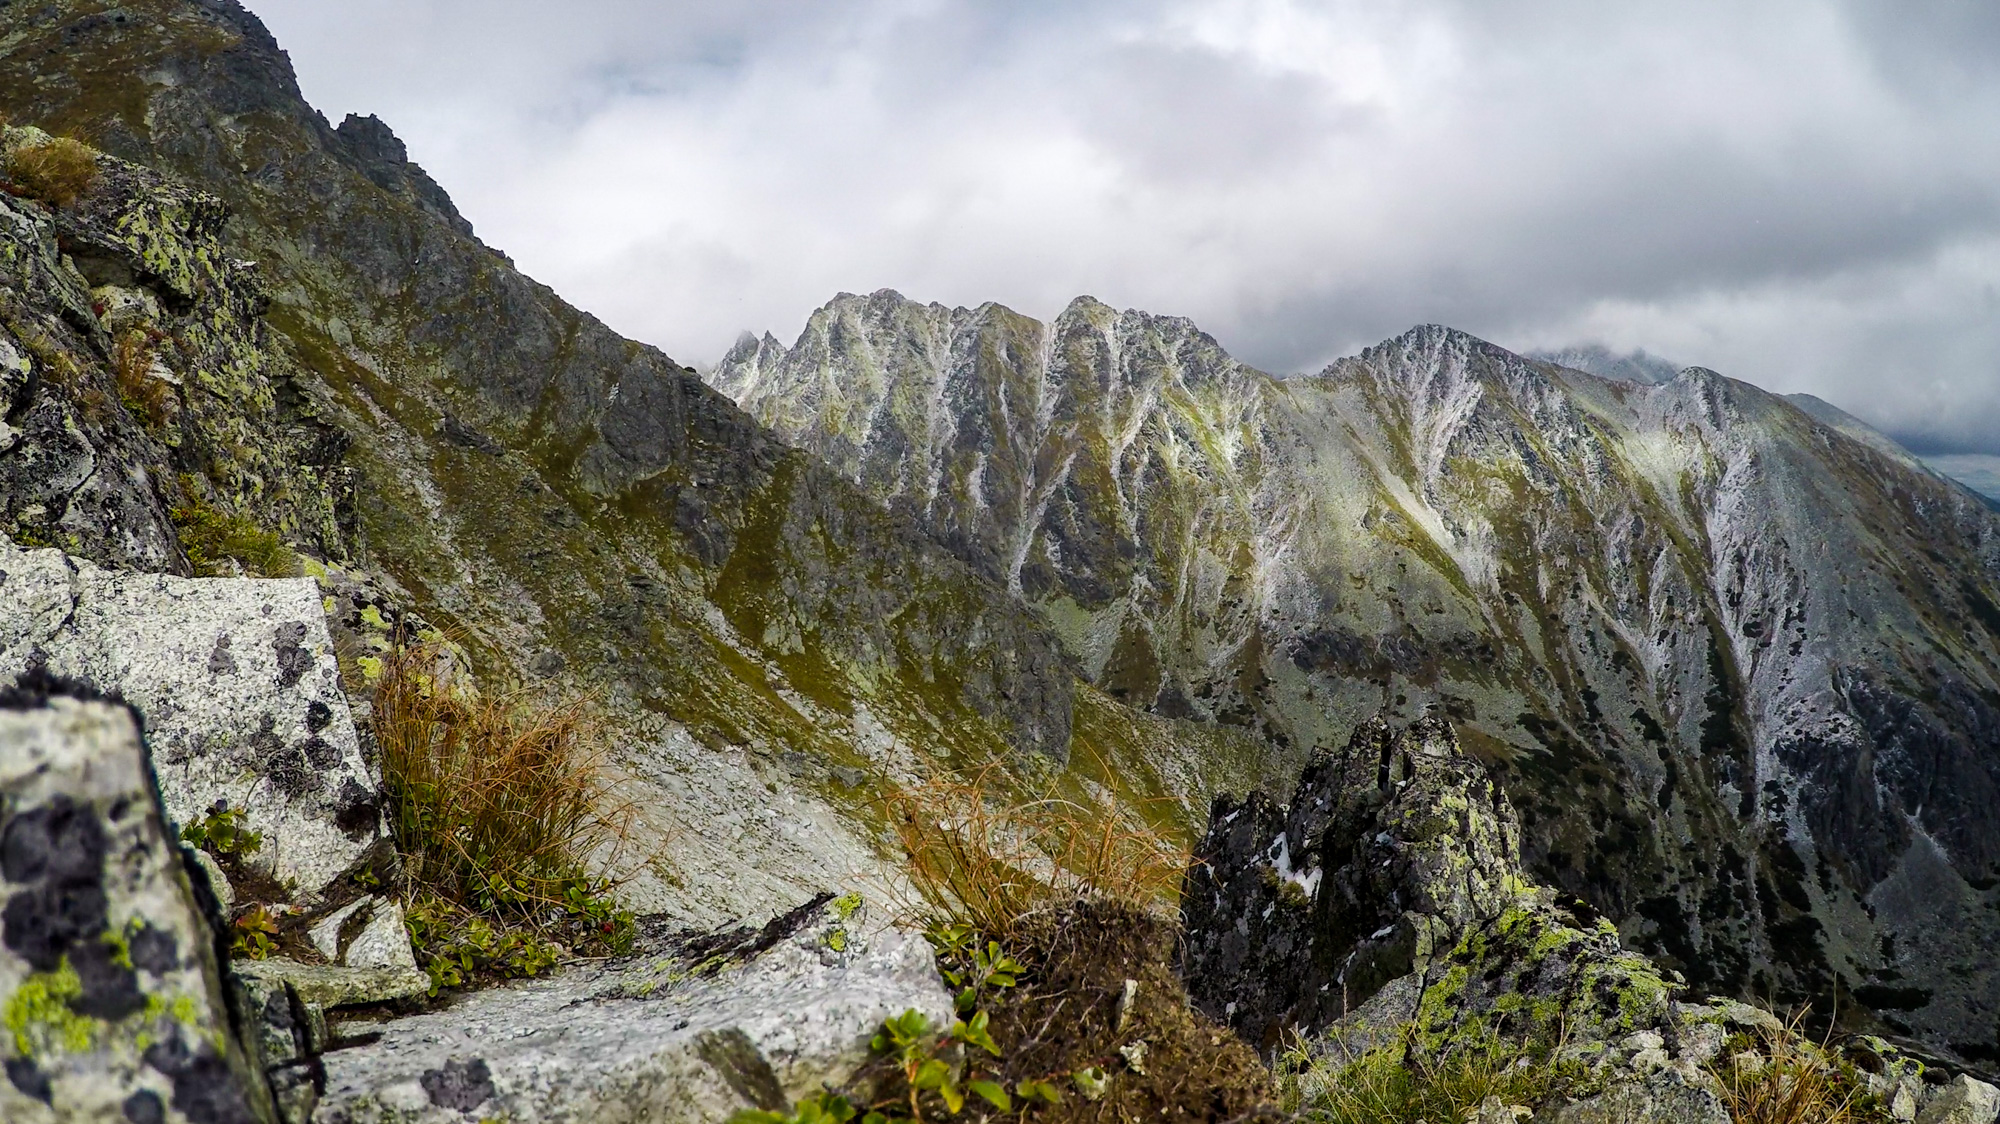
(497, 802)
(58, 171)
(148, 397)
(976, 860)
(1797, 1081)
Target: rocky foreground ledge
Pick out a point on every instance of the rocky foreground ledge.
(1386, 906)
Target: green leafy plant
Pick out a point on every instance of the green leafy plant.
(970, 968)
(253, 933)
(455, 946)
(223, 832)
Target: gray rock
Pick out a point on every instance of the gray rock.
(330, 986)
(1967, 1100)
(1390, 891)
(109, 976)
(643, 1040)
(1666, 1097)
(239, 691)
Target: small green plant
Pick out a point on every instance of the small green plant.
(455, 947)
(212, 536)
(970, 968)
(58, 171)
(254, 931)
(494, 802)
(223, 832)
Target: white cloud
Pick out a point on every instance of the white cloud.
(1802, 193)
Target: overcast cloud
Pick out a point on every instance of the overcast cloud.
(1801, 193)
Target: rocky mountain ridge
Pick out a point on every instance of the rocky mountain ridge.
(1740, 669)
(341, 364)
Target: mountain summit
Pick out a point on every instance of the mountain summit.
(1739, 668)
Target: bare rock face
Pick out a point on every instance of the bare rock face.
(237, 684)
(1389, 894)
(747, 1020)
(116, 1002)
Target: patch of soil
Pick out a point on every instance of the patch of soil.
(1069, 1013)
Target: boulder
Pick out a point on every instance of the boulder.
(694, 1033)
(1967, 1100)
(239, 692)
(1389, 894)
(116, 1002)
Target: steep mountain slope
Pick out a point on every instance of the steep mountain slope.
(350, 367)
(1740, 671)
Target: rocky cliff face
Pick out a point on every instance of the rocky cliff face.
(1739, 669)
(315, 345)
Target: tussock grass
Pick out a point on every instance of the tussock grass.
(497, 802)
(143, 394)
(975, 858)
(213, 538)
(58, 171)
(1391, 1084)
(1796, 1081)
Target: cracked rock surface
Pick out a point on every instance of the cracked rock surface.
(236, 682)
(650, 1039)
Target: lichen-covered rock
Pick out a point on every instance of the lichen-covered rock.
(652, 1040)
(112, 993)
(237, 684)
(1388, 894)
(1666, 1097)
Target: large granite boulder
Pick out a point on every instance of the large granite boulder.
(238, 688)
(695, 1031)
(115, 999)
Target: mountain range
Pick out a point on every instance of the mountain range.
(1737, 656)
(1738, 665)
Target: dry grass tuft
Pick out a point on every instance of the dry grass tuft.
(58, 171)
(143, 393)
(496, 801)
(975, 859)
(1798, 1081)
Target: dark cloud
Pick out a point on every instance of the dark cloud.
(1801, 193)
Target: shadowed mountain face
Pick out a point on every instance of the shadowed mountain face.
(1739, 669)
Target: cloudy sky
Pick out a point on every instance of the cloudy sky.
(1801, 193)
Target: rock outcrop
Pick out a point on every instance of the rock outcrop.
(113, 991)
(1385, 907)
(1740, 662)
(1390, 893)
(240, 694)
(692, 1032)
